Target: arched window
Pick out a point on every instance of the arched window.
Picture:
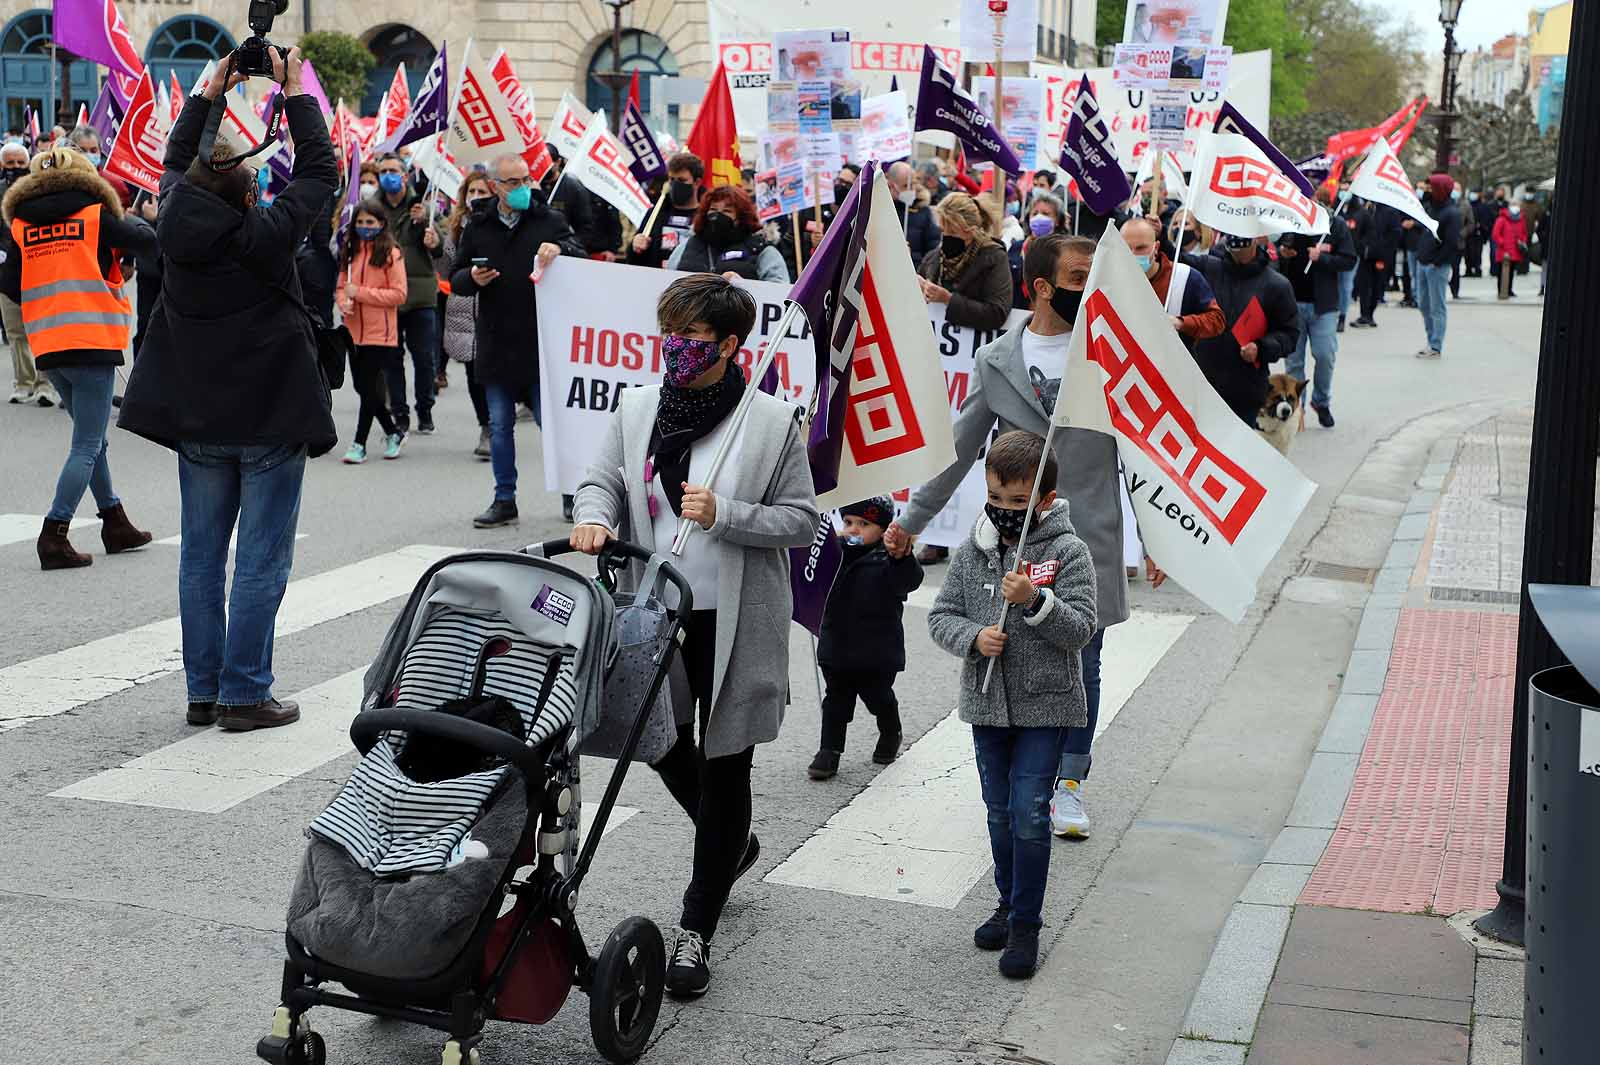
(28, 78)
(393, 45)
(641, 51)
(185, 45)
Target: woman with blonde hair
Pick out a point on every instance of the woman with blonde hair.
(969, 271)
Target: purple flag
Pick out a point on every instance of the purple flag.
(107, 114)
(352, 198)
(1316, 167)
(313, 87)
(1229, 120)
(1090, 156)
(812, 570)
(93, 29)
(944, 104)
(648, 162)
(430, 111)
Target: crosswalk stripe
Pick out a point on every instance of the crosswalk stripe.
(55, 683)
(918, 832)
(17, 528)
(233, 541)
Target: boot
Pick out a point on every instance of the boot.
(55, 550)
(118, 533)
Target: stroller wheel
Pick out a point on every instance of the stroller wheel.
(625, 996)
(309, 1049)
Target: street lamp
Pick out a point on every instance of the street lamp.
(615, 78)
(1449, 14)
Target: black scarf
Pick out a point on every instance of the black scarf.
(684, 416)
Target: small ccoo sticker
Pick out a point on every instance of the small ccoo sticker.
(554, 605)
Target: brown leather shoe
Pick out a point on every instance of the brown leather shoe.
(269, 714)
(118, 533)
(55, 550)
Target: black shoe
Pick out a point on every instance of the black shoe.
(888, 748)
(752, 853)
(500, 512)
(1324, 416)
(1021, 955)
(402, 423)
(992, 934)
(566, 508)
(116, 401)
(688, 975)
(825, 766)
(202, 714)
(1340, 327)
(425, 426)
(269, 714)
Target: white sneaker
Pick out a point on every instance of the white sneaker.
(21, 395)
(1067, 816)
(45, 395)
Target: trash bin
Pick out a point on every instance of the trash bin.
(1562, 930)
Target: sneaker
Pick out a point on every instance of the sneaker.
(21, 395)
(392, 445)
(482, 450)
(1324, 416)
(269, 714)
(45, 395)
(356, 455)
(993, 933)
(425, 426)
(688, 975)
(440, 382)
(1429, 353)
(888, 748)
(524, 413)
(1068, 818)
(500, 512)
(1339, 327)
(752, 853)
(1021, 956)
(402, 422)
(202, 713)
(825, 766)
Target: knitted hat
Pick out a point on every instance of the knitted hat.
(878, 511)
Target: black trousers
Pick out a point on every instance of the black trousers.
(1370, 282)
(367, 367)
(875, 688)
(1474, 256)
(714, 792)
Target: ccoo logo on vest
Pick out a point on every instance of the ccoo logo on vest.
(70, 229)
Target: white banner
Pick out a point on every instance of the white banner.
(885, 127)
(567, 128)
(1238, 191)
(1383, 179)
(482, 126)
(600, 165)
(1213, 500)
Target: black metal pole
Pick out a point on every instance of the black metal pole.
(305, 16)
(1441, 155)
(1559, 537)
(616, 68)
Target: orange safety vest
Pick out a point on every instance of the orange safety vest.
(67, 304)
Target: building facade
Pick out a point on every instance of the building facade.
(1489, 74)
(1549, 31)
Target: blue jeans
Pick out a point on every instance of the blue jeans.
(227, 655)
(1075, 742)
(86, 393)
(502, 400)
(1347, 287)
(1431, 284)
(1016, 767)
(1322, 333)
(419, 332)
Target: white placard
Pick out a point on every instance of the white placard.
(1021, 29)
(1589, 742)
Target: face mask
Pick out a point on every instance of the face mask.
(682, 193)
(1065, 303)
(476, 201)
(1472, 197)
(1007, 522)
(94, 159)
(520, 198)
(719, 231)
(368, 232)
(391, 182)
(687, 358)
(1041, 225)
(1014, 209)
(1515, 212)
(840, 192)
(1144, 263)
(908, 197)
(368, 190)
(1190, 237)
(1344, 196)
(1455, 194)
(952, 247)
(13, 173)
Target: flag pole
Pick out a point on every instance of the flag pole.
(790, 312)
(999, 63)
(650, 223)
(798, 266)
(816, 199)
(1022, 541)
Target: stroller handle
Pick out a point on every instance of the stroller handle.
(614, 553)
(370, 724)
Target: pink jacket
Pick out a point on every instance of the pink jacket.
(373, 316)
(1507, 232)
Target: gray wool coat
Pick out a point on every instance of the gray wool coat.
(1038, 682)
(765, 505)
(1003, 397)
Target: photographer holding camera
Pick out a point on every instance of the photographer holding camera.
(228, 378)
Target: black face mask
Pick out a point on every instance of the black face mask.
(1065, 303)
(719, 231)
(952, 247)
(682, 193)
(12, 173)
(840, 191)
(1008, 522)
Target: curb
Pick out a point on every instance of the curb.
(1221, 1021)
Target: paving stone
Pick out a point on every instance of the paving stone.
(1298, 846)
(1403, 554)
(1297, 1035)
(1371, 504)
(1387, 953)
(1365, 673)
(1348, 725)
(1422, 502)
(1393, 581)
(1229, 998)
(1205, 1052)
(1496, 1041)
(1377, 629)
(1412, 527)
(1436, 469)
(1377, 1003)
(1498, 991)
(1275, 885)
(1324, 790)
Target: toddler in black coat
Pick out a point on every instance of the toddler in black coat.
(863, 643)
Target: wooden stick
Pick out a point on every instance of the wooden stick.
(1022, 541)
(799, 262)
(650, 223)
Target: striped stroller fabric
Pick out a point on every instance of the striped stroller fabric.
(392, 825)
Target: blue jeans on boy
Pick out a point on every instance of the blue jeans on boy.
(1076, 742)
(1016, 767)
(1432, 281)
(85, 392)
(1321, 331)
(502, 400)
(227, 655)
(419, 332)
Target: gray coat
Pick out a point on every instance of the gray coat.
(1002, 395)
(1039, 680)
(765, 505)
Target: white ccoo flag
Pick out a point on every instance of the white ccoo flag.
(601, 166)
(1214, 501)
(1382, 179)
(1237, 190)
(569, 125)
(482, 127)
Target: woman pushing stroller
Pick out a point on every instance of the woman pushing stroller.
(651, 471)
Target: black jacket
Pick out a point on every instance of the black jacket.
(508, 309)
(588, 215)
(677, 223)
(863, 624)
(1242, 385)
(741, 258)
(50, 196)
(422, 283)
(981, 297)
(229, 356)
(319, 271)
(1378, 233)
(921, 228)
(1441, 250)
(148, 263)
(1321, 282)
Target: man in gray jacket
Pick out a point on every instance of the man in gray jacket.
(1015, 383)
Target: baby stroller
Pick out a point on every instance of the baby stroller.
(439, 886)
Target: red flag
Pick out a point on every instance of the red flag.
(537, 153)
(715, 137)
(141, 141)
(633, 91)
(1355, 141)
(396, 105)
(177, 98)
(1397, 139)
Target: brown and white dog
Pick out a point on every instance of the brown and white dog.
(1280, 416)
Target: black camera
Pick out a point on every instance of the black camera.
(252, 57)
